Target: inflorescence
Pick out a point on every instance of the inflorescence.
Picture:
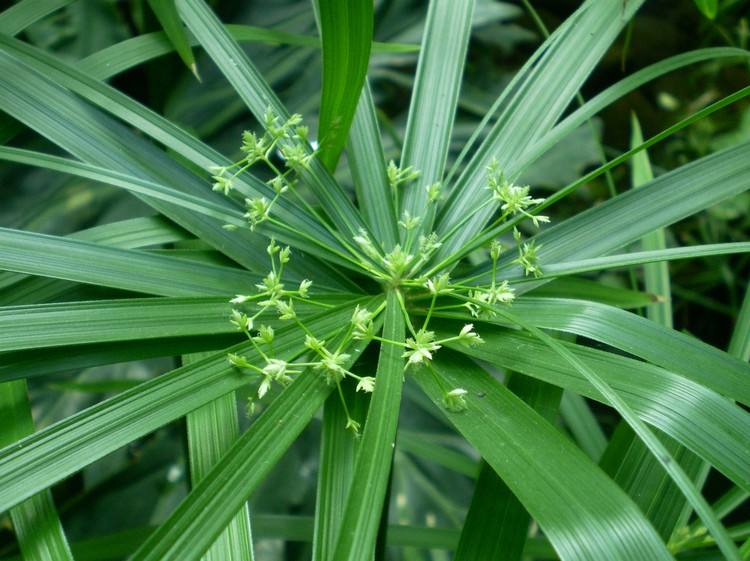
(407, 268)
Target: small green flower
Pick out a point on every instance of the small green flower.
(241, 321)
(304, 287)
(397, 261)
(428, 244)
(433, 191)
(332, 365)
(397, 176)
(455, 400)
(439, 284)
(257, 211)
(420, 348)
(222, 184)
(468, 337)
(314, 344)
(353, 426)
(409, 222)
(366, 384)
(286, 309)
(266, 334)
(238, 361)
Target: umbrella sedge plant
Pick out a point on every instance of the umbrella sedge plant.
(424, 273)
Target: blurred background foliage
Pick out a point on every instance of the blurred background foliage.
(124, 494)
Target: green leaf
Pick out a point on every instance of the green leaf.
(701, 421)
(630, 464)
(583, 425)
(580, 289)
(346, 38)
(628, 216)
(134, 319)
(220, 210)
(166, 13)
(22, 14)
(336, 467)
(93, 138)
(584, 515)
(655, 275)
(366, 497)
(424, 446)
(38, 530)
(651, 257)
(739, 345)
(675, 351)
(497, 524)
(129, 269)
(78, 323)
(367, 163)
(135, 51)
(133, 233)
(42, 459)
(211, 431)
(628, 459)
(708, 8)
(531, 103)
(433, 104)
(258, 96)
(652, 442)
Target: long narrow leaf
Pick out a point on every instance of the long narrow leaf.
(139, 271)
(434, 100)
(38, 530)
(346, 37)
(372, 468)
(211, 431)
(578, 507)
(367, 163)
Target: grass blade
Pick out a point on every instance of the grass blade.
(337, 451)
(497, 524)
(129, 269)
(577, 506)
(630, 215)
(672, 350)
(367, 163)
(655, 275)
(433, 104)
(211, 431)
(652, 256)
(655, 446)
(622, 88)
(166, 13)
(701, 421)
(582, 424)
(346, 38)
(38, 530)
(21, 15)
(135, 157)
(366, 498)
(201, 517)
(534, 100)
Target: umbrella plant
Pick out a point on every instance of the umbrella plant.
(428, 272)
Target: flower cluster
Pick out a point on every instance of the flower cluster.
(287, 139)
(513, 199)
(408, 267)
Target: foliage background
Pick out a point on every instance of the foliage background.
(136, 487)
